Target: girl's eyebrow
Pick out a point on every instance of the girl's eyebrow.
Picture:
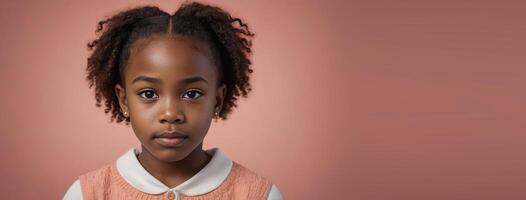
(156, 80)
(147, 79)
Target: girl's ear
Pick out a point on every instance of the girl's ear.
(220, 97)
(121, 95)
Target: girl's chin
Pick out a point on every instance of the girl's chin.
(170, 155)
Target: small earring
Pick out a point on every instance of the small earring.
(125, 114)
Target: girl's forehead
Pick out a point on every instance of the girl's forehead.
(171, 56)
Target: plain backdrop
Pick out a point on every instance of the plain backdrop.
(366, 100)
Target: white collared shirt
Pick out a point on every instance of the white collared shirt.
(206, 180)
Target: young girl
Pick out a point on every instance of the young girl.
(169, 76)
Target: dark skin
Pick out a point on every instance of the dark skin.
(169, 103)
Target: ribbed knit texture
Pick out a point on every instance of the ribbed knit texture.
(107, 183)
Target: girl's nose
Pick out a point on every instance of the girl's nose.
(171, 111)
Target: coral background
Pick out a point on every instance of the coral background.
(368, 100)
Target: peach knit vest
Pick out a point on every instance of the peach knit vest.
(107, 183)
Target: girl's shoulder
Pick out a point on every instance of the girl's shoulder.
(98, 173)
(243, 173)
(99, 176)
(251, 184)
(248, 182)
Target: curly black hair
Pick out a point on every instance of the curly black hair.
(228, 37)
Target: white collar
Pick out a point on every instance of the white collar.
(206, 180)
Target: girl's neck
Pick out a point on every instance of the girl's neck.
(174, 173)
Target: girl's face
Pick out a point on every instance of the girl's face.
(171, 86)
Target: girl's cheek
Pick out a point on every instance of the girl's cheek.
(197, 114)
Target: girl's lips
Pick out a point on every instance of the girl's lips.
(171, 142)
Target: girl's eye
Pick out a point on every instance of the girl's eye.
(148, 94)
(192, 94)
